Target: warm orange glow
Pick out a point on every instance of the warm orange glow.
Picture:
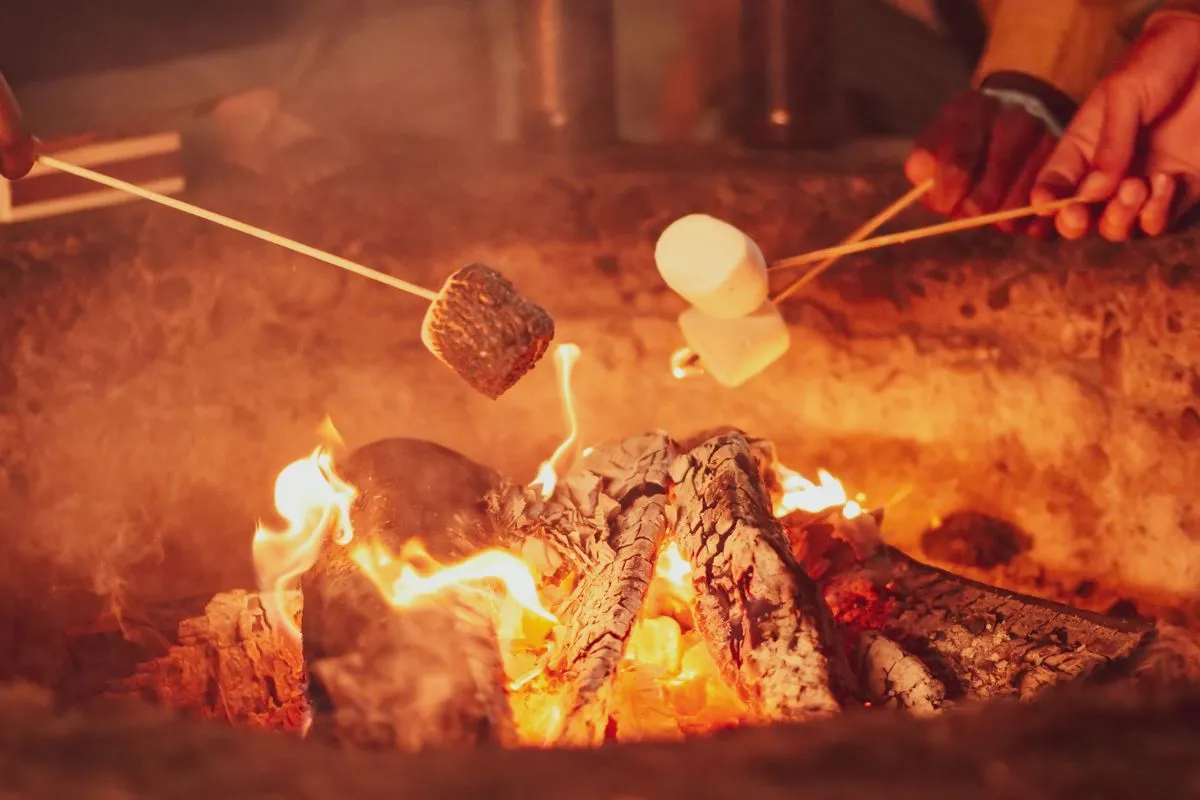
(315, 505)
(668, 685)
(685, 363)
(674, 568)
(801, 494)
(414, 575)
(565, 357)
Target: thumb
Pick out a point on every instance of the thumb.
(1069, 162)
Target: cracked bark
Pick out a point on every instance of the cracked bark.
(611, 511)
(765, 621)
(425, 676)
(892, 678)
(981, 642)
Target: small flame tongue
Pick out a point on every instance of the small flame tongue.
(315, 505)
(801, 494)
(565, 358)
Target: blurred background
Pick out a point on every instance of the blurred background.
(642, 71)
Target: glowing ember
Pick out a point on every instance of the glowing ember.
(565, 357)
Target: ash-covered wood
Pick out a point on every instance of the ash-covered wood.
(979, 641)
(632, 477)
(424, 676)
(891, 678)
(485, 330)
(408, 489)
(228, 665)
(765, 621)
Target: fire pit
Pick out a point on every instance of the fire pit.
(680, 567)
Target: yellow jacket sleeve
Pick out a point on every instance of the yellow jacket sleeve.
(1067, 44)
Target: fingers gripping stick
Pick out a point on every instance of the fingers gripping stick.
(478, 325)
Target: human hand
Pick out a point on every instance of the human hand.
(1134, 145)
(18, 150)
(983, 156)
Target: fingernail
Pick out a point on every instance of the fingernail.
(920, 166)
(1073, 219)
(1095, 186)
(1130, 194)
(1160, 184)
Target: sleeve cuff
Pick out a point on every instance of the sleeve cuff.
(1056, 103)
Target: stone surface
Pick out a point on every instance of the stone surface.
(157, 372)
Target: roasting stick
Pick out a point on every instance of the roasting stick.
(868, 227)
(233, 224)
(478, 324)
(940, 229)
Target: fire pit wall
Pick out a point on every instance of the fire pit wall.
(158, 372)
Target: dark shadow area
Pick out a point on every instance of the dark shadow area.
(51, 39)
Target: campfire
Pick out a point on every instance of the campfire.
(645, 589)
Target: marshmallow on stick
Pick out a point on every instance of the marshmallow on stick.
(712, 265)
(486, 331)
(733, 351)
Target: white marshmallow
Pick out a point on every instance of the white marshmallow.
(712, 265)
(733, 351)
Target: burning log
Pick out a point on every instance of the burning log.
(229, 665)
(980, 642)
(631, 479)
(765, 621)
(429, 675)
(890, 677)
(382, 676)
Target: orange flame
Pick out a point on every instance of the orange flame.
(674, 568)
(416, 575)
(669, 685)
(315, 504)
(565, 357)
(801, 494)
(685, 363)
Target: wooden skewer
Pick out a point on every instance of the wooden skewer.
(868, 227)
(233, 224)
(923, 233)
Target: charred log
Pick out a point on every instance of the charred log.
(632, 477)
(892, 678)
(981, 642)
(229, 665)
(407, 489)
(425, 676)
(765, 621)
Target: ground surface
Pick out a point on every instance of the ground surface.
(1111, 746)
